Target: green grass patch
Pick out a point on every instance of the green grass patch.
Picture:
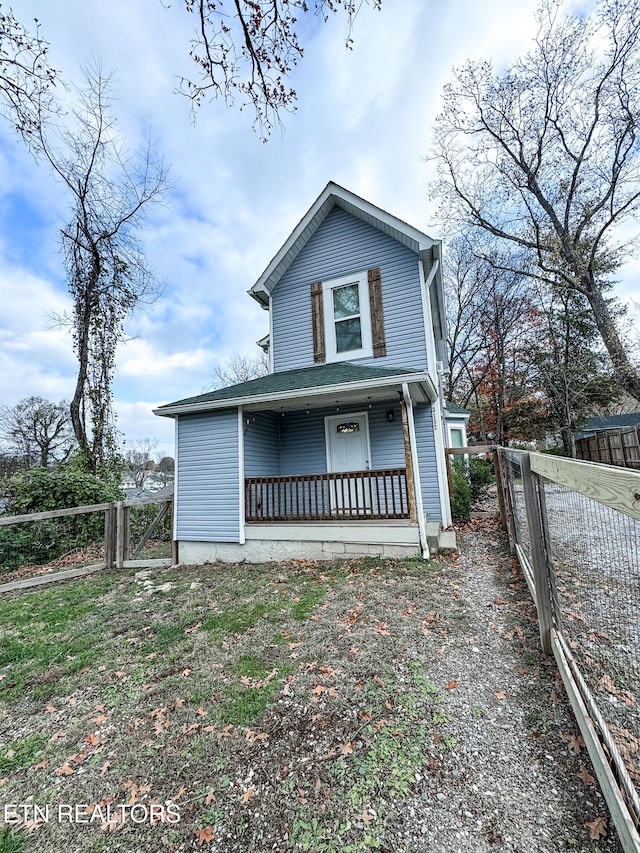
(301, 610)
(11, 842)
(235, 621)
(21, 754)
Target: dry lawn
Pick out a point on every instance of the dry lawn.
(297, 706)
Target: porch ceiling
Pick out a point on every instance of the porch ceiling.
(346, 398)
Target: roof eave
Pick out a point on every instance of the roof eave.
(334, 195)
(420, 378)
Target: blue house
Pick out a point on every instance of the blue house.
(339, 450)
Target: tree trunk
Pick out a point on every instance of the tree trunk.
(624, 371)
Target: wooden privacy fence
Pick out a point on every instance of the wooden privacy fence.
(575, 529)
(612, 447)
(316, 497)
(103, 531)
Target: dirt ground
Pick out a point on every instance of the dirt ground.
(397, 706)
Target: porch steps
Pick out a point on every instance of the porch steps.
(438, 538)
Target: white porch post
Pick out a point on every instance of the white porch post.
(416, 472)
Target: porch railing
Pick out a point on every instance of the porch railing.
(313, 497)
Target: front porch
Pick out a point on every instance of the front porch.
(326, 496)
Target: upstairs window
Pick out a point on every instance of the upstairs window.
(347, 317)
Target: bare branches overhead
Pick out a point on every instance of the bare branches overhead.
(26, 78)
(246, 49)
(546, 155)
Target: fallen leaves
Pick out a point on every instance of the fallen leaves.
(576, 742)
(597, 828)
(586, 777)
(205, 835)
(453, 685)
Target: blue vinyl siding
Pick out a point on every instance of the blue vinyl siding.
(423, 419)
(261, 444)
(342, 245)
(303, 439)
(208, 486)
(302, 443)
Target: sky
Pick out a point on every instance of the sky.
(364, 120)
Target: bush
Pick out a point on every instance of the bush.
(40, 490)
(481, 476)
(460, 491)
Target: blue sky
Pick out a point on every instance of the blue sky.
(364, 120)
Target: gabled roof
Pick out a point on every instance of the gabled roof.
(332, 196)
(599, 423)
(339, 377)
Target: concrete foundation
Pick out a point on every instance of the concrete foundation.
(274, 550)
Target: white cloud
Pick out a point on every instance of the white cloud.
(364, 120)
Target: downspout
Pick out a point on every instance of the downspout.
(241, 510)
(175, 547)
(422, 528)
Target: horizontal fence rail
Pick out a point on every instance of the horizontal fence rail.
(313, 497)
(106, 534)
(575, 528)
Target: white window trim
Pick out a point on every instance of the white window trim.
(366, 351)
(459, 426)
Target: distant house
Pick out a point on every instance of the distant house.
(339, 450)
(608, 422)
(457, 420)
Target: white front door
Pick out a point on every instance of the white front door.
(348, 450)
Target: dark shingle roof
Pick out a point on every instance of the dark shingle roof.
(455, 409)
(321, 376)
(611, 422)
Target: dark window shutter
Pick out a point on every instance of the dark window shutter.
(317, 319)
(377, 317)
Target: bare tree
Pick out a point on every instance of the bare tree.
(570, 365)
(546, 155)
(110, 191)
(26, 78)
(37, 431)
(139, 461)
(240, 368)
(467, 282)
(248, 48)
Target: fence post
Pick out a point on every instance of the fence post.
(109, 536)
(505, 478)
(531, 484)
(120, 535)
(126, 535)
(497, 468)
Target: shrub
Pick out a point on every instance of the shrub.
(481, 476)
(460, 491)
(40, 490)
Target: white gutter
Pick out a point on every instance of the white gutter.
(422, 378)
(422, 528)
